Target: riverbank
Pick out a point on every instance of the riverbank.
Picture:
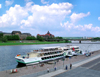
(30, 42)
(37, 68)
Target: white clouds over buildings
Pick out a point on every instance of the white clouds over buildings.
(48, 17)
(35, 16)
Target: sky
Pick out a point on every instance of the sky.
(64, 18)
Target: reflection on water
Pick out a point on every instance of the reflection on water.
(8, 53)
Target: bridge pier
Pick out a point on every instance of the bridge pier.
(79, 41)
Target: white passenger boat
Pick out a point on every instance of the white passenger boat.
(42, 55)
(46, 54)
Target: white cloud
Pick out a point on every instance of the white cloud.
(9, 2)
(67, 25)
(98, 18)
(72, 26)
(13, 16)
(44, 2)
(96, 29)
(84, 27)
(75, 17)
(0, 5)
(87, 27)
(48, 15)
(29, 4)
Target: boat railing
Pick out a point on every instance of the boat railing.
(43, 50)
(48, 51)
(51, 55)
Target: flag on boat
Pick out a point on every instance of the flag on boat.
(73, 49)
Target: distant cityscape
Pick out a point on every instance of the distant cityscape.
(48, 34)
(24, 35)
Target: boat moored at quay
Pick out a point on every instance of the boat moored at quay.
(45, 54)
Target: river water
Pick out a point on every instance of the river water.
(8, 53)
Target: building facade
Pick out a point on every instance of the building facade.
(47, 35)
(21, 35)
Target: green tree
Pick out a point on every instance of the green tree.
(96, 38)
(1, 35)
(4, 39)
(40, 38)
(15, 37)
(9, 37)
(59, 37)
(30, 38)
(66, 41)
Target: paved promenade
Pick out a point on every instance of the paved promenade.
(36, 71)
(74, 66)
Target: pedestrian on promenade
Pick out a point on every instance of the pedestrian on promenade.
(66, 67)
(55, 68)
(54, 63)
(47, 69)
(70, 66)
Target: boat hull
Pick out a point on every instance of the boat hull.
(40, 61)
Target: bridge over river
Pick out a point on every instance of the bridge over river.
(73, 40)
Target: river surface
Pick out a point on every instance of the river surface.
(8, 53)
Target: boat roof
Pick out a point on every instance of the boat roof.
(74, 46)
(50, 47)
(65, 47)
(49, 51)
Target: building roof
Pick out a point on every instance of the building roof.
(27, 33)
(13, 32)
(47, 34)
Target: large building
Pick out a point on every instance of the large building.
(21, 35)
(47, 35)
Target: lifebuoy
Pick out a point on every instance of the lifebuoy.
(13, 70)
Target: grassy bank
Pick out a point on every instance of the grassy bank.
(26, 42)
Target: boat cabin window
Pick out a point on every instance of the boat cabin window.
(69, 53)
(65, 49)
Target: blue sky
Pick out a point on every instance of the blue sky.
(66, 18)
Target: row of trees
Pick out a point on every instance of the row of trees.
(16, 37)
(6, 38)
(96, 38)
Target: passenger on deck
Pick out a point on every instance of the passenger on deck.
(28, 55)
